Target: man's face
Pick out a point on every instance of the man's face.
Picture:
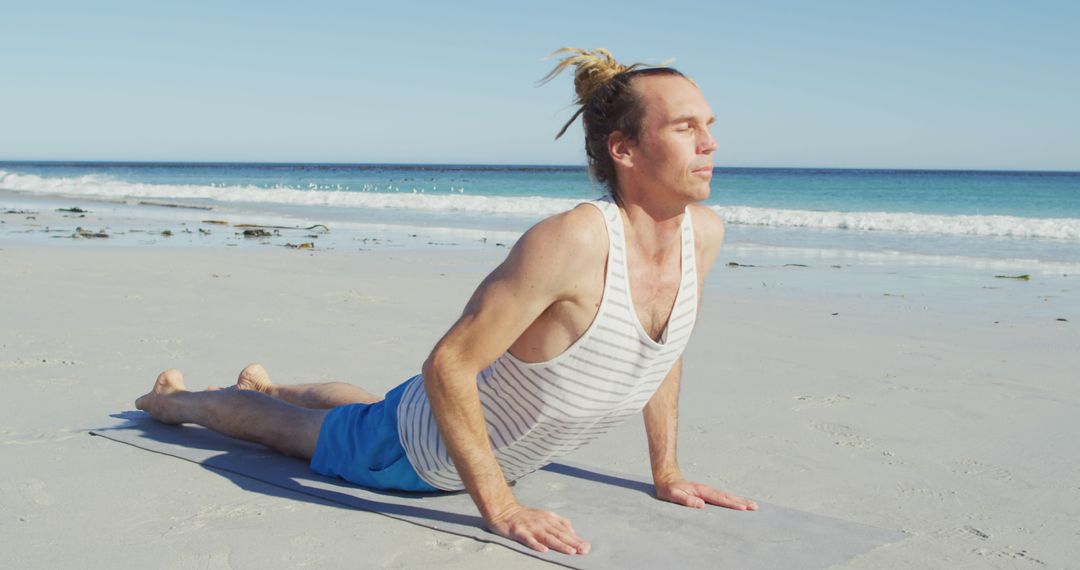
(673, 152)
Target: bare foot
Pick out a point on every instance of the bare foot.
(255, 377)
(156, 402)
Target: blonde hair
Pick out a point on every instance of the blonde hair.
(607, 102)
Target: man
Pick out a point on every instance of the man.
(582, 325)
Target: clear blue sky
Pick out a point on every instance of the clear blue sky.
(905, 84)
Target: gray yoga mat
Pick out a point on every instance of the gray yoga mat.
(626, 526)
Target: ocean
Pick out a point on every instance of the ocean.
(1019, 216)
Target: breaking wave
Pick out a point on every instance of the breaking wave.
(104, 187)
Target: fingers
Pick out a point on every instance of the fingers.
(542, 531)
(576, 543)
(564, 542)
(532, 543)
(681, 494)
(560, 537)
(696, 495)
(727, 500)
(687, 499)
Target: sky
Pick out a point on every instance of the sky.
(855, 84)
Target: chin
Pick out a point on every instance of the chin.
(699, 189)
(701, 192)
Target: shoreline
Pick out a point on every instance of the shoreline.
(25, 218)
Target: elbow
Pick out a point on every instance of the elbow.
(430, 369)
(442, 366)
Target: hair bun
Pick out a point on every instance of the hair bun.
(594, 68)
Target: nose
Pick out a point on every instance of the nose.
(707, 144)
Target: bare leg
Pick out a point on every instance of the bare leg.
(317, 396)
(243, 414)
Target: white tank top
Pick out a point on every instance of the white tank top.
(536, 412)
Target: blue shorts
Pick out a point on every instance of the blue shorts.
(359, 443)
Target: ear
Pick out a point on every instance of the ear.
(620, 148)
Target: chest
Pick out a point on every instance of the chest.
(654, 289)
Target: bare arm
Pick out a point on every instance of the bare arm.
(661, 427)
(542, 269)
(662, 412)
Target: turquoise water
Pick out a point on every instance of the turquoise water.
(1026, 194)
(1016, 215)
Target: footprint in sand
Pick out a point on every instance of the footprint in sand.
(1009, 554)
(25, 493)
(979, 534)
(209, 559)
(207, 514)
(307, 541)
(961, 534)
(458, 544)
(972, 540)
(358, 297)
(807, 402)
(930, 498)
(843, 435)
(13, 438)
(988, 550)
(980, 470)
(61, 382)
(21, 363)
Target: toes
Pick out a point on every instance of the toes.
(171, 374)
(168, 382)
(253, 377)
(254, 370)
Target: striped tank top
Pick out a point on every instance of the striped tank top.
(537, 412)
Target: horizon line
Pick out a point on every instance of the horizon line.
(482, 165)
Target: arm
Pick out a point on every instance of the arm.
(661, 427)
(662, 412)
(542, 269)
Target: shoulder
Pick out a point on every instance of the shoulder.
(555, 255)
(552, 262)
(583, 223)
(708, 233)
(708, 226)
(577, 236)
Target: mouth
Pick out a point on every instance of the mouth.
(705, 171)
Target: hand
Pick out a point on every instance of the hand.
(539, 530)
(695, 495)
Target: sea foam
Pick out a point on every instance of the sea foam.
(104, 187)
(958, 225)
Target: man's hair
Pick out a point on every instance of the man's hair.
(608, 103)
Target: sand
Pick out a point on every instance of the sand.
(935, 400)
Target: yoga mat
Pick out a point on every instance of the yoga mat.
(616, 513)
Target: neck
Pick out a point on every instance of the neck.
(653, 228)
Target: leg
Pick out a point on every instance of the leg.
(316, 396)
(243, 414)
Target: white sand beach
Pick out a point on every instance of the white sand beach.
(934, 399)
